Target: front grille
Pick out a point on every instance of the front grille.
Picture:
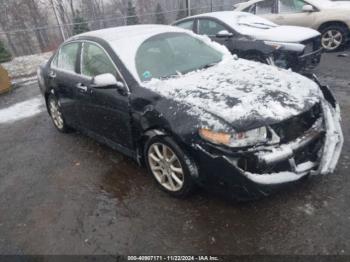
(309, 48)
(295, 127)
(312, 44)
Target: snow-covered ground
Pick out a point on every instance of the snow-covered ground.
(22, 70)
(22, 110)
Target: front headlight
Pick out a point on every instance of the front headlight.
(274, 45)
(239, 139)
(295, 47)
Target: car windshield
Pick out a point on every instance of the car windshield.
(172, 54)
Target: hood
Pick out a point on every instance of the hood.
(290, 34)
(239, 94)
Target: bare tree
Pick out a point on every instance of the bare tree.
(38, 20)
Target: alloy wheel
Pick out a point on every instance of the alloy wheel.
(56, 114)
(332, 39)
(166, 167)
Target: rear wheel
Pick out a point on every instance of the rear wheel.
(170, 166)
(56, 114)
(333, 37)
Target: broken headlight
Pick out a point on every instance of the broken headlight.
(237, 139)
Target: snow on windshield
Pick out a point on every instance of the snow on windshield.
(126, 48)
(170, 54)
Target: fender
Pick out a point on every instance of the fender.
(244, 44)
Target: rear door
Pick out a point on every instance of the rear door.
(103, 111)
(63, 78)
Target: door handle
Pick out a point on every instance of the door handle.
(82, 87)
(52, 74)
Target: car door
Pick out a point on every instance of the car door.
(211, 27)
(290, 12)
(104, 111)
(63, 78)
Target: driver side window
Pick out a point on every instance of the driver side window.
(95, 61)
(291, 6)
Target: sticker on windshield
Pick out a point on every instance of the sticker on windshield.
(147, 75)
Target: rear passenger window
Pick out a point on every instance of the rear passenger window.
(67, 57)
(186, 25)
(54, 62)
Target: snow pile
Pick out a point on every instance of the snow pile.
(22, 110)
(240, 92)
(23, 69)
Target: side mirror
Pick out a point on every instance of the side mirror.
(224, 34)
(308, 8)
(108, 81)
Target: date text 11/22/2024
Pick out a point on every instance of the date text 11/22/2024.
(173, 258)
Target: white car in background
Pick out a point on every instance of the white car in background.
(332, 19)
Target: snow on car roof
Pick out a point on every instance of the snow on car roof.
(126, 40)
(244, 23)
(130, 32)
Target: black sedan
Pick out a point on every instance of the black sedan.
(255, 38)
(191, 112)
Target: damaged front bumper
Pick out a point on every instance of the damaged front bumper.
(326, 131)
(303, 63)
(316, 152)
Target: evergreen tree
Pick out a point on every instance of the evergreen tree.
(5, 55)
(80, 24)
(160, 18)
(182, 13)
(132, 18)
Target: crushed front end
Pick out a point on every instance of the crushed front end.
(307, 144)
(300, 57)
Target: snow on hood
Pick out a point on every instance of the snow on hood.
(240, 93)
(291, 34)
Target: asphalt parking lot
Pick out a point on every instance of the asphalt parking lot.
(66, 194)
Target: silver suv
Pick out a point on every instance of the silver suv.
(332, 19)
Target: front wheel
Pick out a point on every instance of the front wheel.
(170, 166)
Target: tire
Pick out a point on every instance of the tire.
(333, 37)
(177, 163)
(56, 115)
